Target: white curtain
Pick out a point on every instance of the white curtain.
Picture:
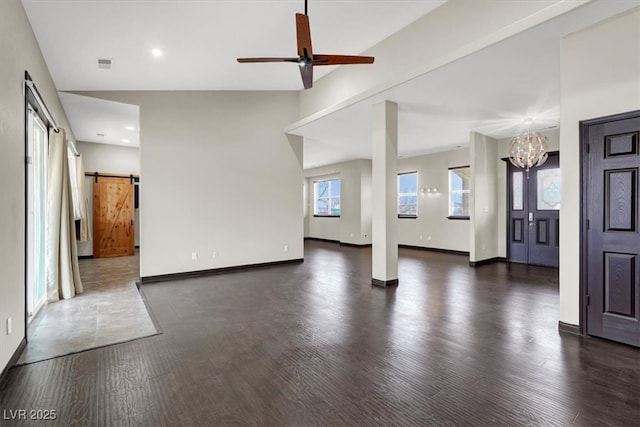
(86, 234)
(62, 272)
(79, 193)
(73, 180)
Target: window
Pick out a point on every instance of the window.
(37, 149)
(459, 192)
(327, 197)
(408, 195)
(549, 185)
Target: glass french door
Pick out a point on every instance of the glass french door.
(37, 153)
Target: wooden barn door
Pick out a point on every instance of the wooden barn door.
(113, 213)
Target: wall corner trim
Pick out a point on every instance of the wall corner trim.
(384, 283)
(14, 359)
(568, 328)
(486, 261)
(430, 249)
(210, 272)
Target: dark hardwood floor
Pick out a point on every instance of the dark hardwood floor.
(316, 344)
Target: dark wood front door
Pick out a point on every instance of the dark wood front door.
(611, 256)
(113, 208)
(534, 213)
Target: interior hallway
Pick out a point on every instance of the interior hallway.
(315, 344)
(109, 311)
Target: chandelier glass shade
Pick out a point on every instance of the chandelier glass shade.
(528, 150)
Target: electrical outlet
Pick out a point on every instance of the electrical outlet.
(421, 237)
(215, 254)
(286, 248)
(9, 325)
(428, 237)
(194, 256)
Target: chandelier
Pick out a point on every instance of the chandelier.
(529, 149)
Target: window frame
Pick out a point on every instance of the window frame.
(452, 192)
(328, 197)
(410, 216)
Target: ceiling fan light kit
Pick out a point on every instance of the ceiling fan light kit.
(306, 60)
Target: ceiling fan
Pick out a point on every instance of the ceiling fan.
(306, 59)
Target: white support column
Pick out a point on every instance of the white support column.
(385, 194)
(483, 231)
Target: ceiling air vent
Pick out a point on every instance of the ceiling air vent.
(104, 63)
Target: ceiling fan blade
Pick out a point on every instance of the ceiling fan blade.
(246, 60)
(306, 71)
(341, 59)
(303, 32)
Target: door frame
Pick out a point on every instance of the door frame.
(509, 202)
(584, 191)
(33, 120)
(33, 100)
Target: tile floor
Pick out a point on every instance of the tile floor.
(109, 311)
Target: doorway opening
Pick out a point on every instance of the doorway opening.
(533, 225)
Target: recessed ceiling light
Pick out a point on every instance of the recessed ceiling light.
(129, 128)
(125, 140)
(100, 134)
(157, 52)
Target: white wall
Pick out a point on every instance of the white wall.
(219, 175)
(354, 224)
(504, 145)
(355, 218)
(600, 76)
(105, 158)
(432, 41)
(433, 208)
(19, 51)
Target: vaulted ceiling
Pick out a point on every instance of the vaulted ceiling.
(490, 91)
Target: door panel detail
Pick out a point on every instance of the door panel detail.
(621, 145)
(620, 199)
(518, 191)
(543, 231)
(549, 188)
(518, 230)
(619, 276)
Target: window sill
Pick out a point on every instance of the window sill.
(408, 216)
(464, 218)
(326, 216)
